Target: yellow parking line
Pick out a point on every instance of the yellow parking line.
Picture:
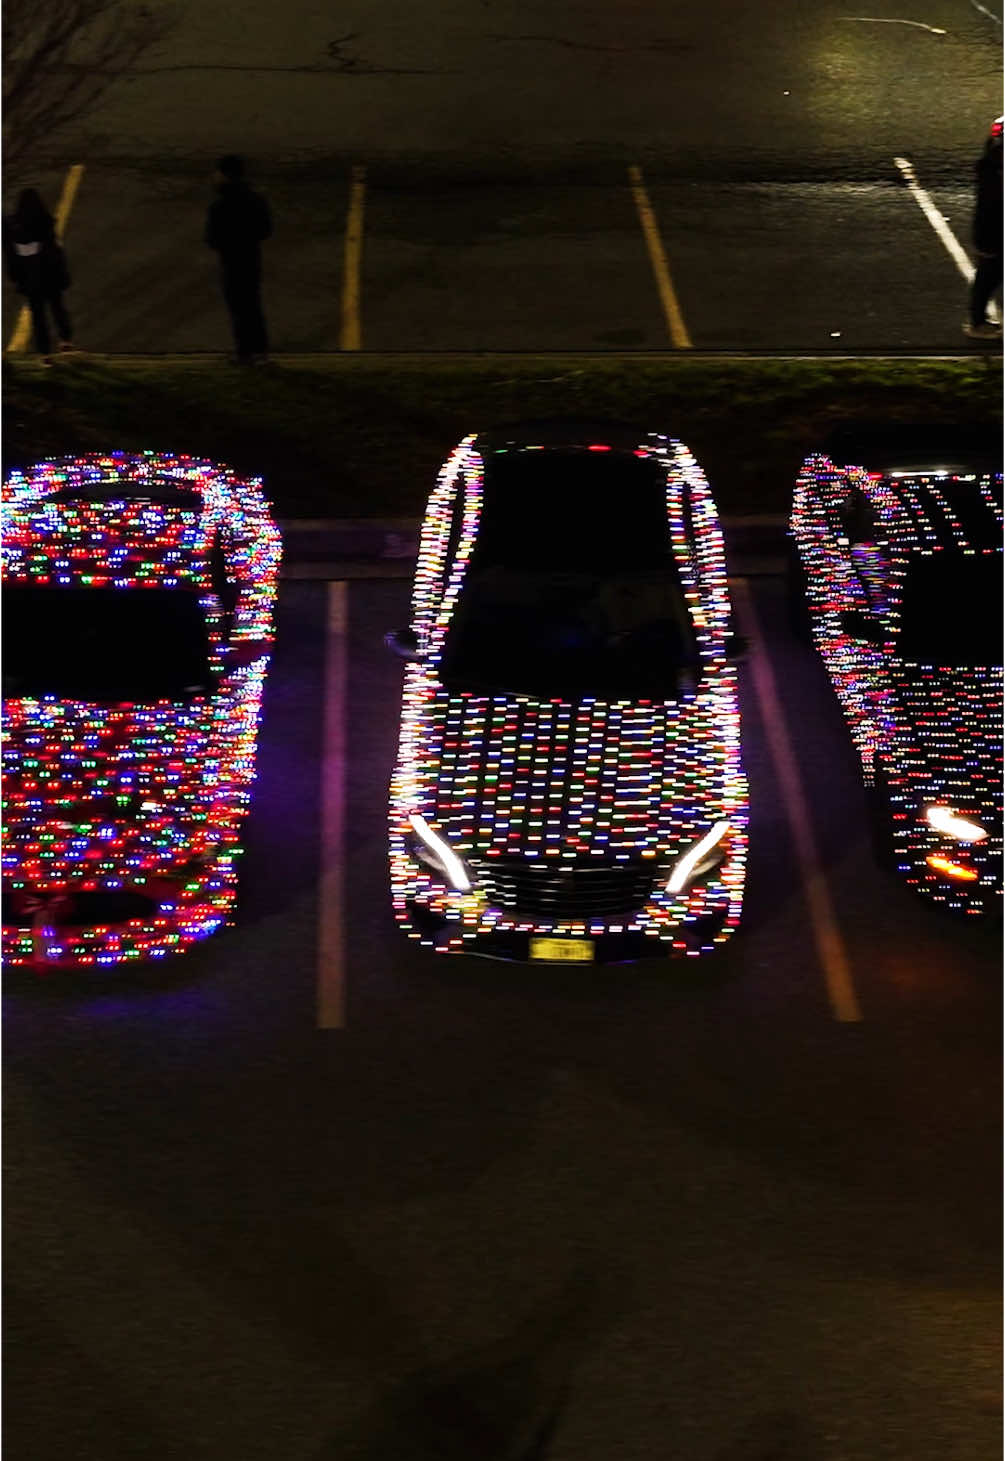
(679, 337)
(331, 889)
(351, 334)
(71, 183)
(827, 935)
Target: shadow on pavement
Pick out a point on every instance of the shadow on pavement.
(500, 1403)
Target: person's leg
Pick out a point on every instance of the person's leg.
(256, 320)
(40, 323)
(986, 280)
(246, 285)
(62, 317)
(233, 293)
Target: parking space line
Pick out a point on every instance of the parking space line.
(826, 933)
(331, 886)
(71, 183)
(351, 333)
(945, 234)
(984, 11)
(679, 337)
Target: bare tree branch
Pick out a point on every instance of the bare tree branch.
(60, 56)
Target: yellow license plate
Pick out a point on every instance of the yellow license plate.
(561, 949)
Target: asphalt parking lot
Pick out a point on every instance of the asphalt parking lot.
(290, 1194)
(527, 264)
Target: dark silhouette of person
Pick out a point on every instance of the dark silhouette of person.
(237, 223)
(36, 265)
(987, 235)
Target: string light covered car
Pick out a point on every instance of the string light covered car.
(138, 595)
(568, 783)
(897, 562)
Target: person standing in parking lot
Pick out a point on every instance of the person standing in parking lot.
(237, 223)
(988, 226)
(36, 266)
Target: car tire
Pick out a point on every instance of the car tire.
(880, 818)
(795, 595)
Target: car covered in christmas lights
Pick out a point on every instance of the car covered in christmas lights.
(137, 604)
(568, 783)
(896, 571)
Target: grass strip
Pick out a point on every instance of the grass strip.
(361, 436)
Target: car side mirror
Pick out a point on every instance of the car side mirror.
(859, 624)
(403, 642)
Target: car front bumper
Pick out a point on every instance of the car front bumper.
(625, 944)
(57, 932)
(687, 924)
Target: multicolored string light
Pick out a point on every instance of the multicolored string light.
(133, 800)
(933, 732)
(577, 783)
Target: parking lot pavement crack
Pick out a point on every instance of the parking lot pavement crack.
(663, 46)
(349, 67)
(340, 63)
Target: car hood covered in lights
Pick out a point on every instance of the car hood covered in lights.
(116, 801)
(569, 779)
(949, 730)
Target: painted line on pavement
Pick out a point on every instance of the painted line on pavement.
(679, 337)
(886, 20)
(71, 183)
(351, 332)
(826, 933)
(331, 886)
(947, 237)
(984, 11)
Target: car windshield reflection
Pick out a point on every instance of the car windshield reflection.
(625, 636)
(951, 610)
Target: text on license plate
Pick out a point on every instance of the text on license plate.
(561, 948)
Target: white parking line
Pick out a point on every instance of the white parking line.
(886, 20)
(953, 247)
(989, 13)
(826, 932)
(331, 884)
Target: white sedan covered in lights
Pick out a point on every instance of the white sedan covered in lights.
(568, 783)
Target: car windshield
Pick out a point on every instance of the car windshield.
(574, 511)
(951, 612)
(104, 645)
(624, 636)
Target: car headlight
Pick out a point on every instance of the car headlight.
(437, 854)
(951, 824)
(700, 857)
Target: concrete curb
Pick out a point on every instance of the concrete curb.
(325, 548)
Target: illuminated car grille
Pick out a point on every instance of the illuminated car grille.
(570, 891)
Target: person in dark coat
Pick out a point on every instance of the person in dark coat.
(36, 266)
(237, 223)
(988, 226)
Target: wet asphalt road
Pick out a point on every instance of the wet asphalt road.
(676, 1212)
(496, 147)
